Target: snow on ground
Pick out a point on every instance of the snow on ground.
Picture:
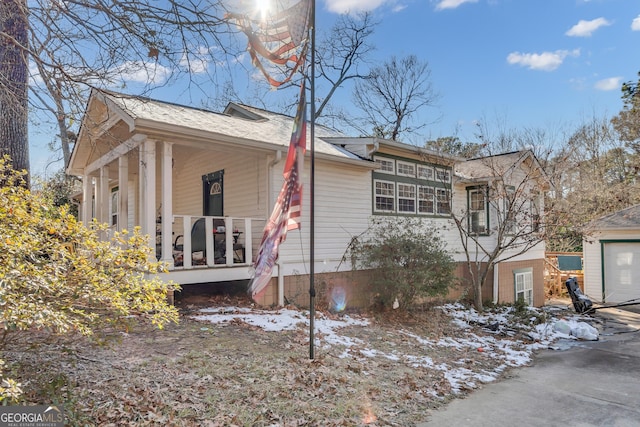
(499, 343)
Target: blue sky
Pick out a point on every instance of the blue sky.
(523, 63)
(529, 63)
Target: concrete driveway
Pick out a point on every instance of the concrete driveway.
(581, 383)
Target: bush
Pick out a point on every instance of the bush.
(410, 260)
(58, 276)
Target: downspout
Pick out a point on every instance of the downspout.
(280, 272)
(495, 282)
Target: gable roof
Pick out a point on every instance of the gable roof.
(490, 167)
(239, 124)
(622, 219)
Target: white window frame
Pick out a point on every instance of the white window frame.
(429, 198)
(385, 160)
(447, 194)
(446, 175)
(400, 164)
(114, 213)
(534, 212)
(478, 214)
(509, 214)
(523, 285)
(392, 197)
(402, 190)
(426, 173)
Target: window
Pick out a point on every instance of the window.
(443, 175)
(509, 210)
(426, 200)
(386, 165)
(406, 169)
(406, 198)
(535, 213)
(425, 172)
(443, 199)
(478, 210)
(385, 196)
(407, 187)
(524, 285)
(114, 206)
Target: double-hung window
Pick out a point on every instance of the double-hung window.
(406, 198)
(443, 199)
(478, 210)
(426, 200)
(385, 196)
(524, 285)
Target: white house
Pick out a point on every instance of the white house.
(204, 183)
(611, 250)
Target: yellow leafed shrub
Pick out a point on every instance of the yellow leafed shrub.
(60, 276)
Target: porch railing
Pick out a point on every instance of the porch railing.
(228, 241)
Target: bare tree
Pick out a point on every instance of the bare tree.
(343, 53)
(392, 95)
(594, 174)
(342, 56)
(78, 44)
(502, 218)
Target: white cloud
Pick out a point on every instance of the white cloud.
(612, 83)
(141, 72)
(353, 6)
(452, 4)
(545, 61)
(635, 25)
(196, 62)
(587, 28)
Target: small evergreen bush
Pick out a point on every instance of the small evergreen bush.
(409, 258)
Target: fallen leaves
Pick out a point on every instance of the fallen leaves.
(236, 374)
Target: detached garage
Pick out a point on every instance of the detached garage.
(612, 257)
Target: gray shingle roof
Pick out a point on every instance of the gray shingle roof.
(489, 167)
(625, 218)
(273, 129)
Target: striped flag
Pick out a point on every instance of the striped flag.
(281, 39)
(287, 210)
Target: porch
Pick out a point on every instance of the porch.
(221, 248)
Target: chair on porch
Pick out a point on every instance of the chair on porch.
(199, 245)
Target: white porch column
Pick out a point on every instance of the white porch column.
(148, 190)
(102, 197)
(123, 190)
(87, 199)
(167, 202)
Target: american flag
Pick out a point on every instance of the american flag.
(287, 210)
(281, 39)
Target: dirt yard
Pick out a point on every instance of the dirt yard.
(201, 374)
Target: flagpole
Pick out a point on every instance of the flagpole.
(312, 289)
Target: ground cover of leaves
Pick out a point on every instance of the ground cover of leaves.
(203, 374)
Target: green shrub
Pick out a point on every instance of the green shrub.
(409, 257)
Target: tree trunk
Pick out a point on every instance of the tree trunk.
(14, 81)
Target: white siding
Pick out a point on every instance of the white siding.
(342, 210)
(592, 253)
